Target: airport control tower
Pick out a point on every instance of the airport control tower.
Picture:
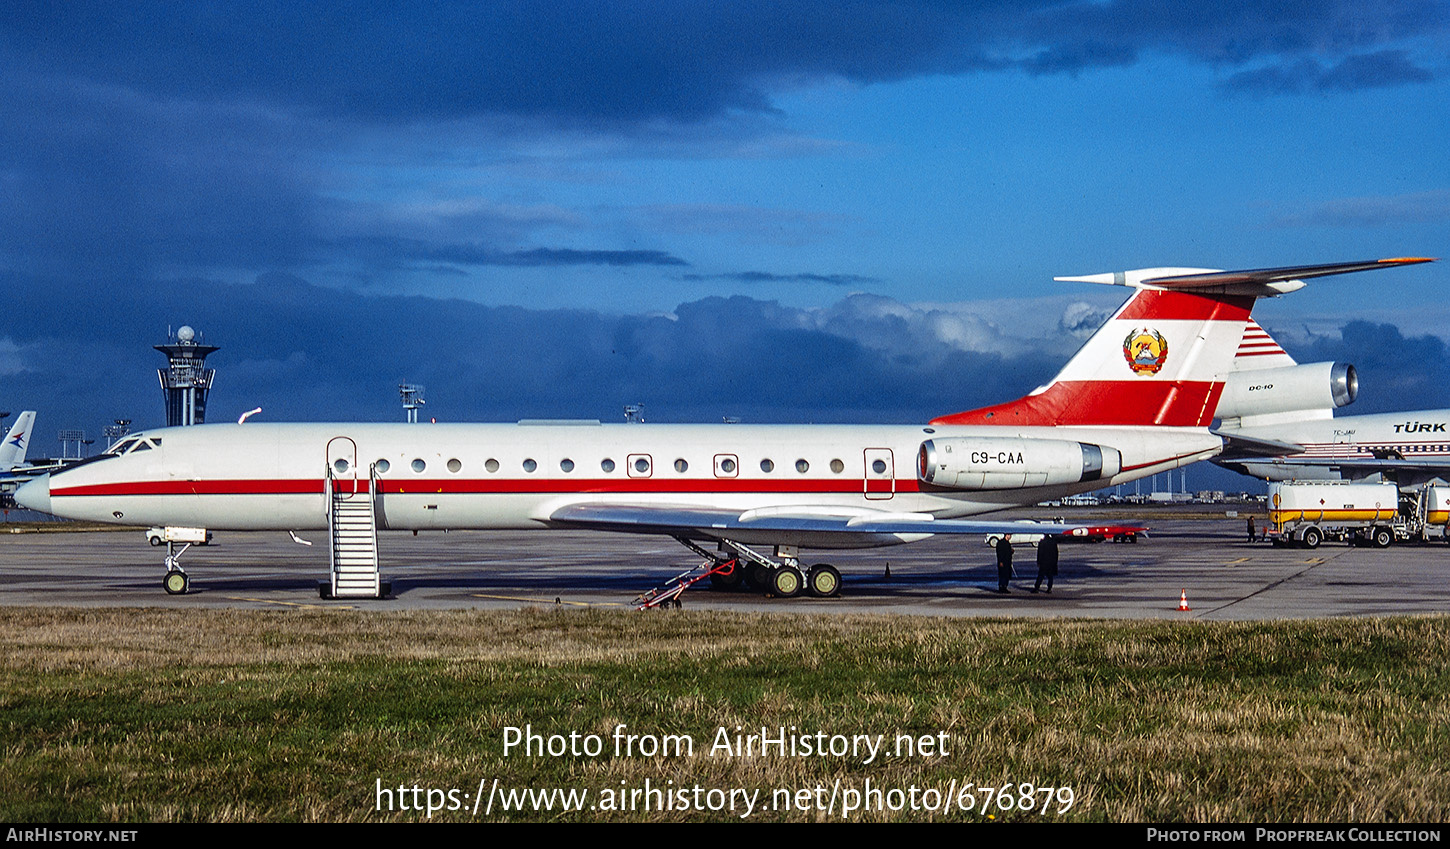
(186, 380)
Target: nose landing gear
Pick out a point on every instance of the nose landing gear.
(176, 581)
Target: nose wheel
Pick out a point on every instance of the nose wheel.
(176, 581)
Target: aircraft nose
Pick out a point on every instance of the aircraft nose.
(35, 494)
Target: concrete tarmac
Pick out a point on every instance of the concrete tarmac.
(1224, 576)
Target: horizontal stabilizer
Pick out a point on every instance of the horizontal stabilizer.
(1268, 280)
(1278, 275)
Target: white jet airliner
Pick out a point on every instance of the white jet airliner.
(1135, 400)
(1279, 424)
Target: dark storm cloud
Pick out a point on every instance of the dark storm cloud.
(400, 250)
(635, 61)
(304, 352)
(1396, 372)
(142, 138)
(97, 177)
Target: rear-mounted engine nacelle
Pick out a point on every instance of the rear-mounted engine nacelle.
(1312, 386)
(994, 462)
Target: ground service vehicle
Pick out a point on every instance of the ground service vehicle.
(1308, 512)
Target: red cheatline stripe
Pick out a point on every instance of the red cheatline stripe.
(482, 487)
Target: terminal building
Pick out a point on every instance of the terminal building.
(186, 380)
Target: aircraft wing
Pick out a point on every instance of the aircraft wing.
(1368, 465)
(1405, 472)
(1236, 446)
(714, 522)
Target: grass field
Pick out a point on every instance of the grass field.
(148, 715)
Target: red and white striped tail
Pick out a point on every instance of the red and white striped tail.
(1258, 350)
(1159, 361)
(1162, 358)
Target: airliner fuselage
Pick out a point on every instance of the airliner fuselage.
(518, 476)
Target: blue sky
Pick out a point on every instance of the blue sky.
(784, 211)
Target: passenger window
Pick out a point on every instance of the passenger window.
(419, 465)
(491, 464)
(681, 466)
(837, 466)
(802, 466)
(607, 465)
(566, 465)
(767, 466)
(530, 465)
(382, 466)
(454, 465)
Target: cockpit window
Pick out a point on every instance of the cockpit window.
(123, 446)
(143, 445)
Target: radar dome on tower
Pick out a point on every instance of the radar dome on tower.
(186, 380)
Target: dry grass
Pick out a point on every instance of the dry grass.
(248, 715)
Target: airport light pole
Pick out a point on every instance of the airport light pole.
(67, 437)
(116, 431)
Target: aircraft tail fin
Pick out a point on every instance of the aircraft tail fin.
(17, 441)
(1259, 351)
(1163, 357)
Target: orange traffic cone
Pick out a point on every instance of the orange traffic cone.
(1183, 601)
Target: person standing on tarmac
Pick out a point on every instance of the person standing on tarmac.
(1046, 563)
(1004, 563)
(1251, 529)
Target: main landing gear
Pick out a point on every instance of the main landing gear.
(779, 574)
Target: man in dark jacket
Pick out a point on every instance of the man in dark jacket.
(1004, 563)
(1046, 563)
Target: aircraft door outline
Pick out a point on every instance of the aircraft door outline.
(342, 462)
(879, 480)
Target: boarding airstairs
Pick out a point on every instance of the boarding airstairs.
(353, 535)
(669, 594)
